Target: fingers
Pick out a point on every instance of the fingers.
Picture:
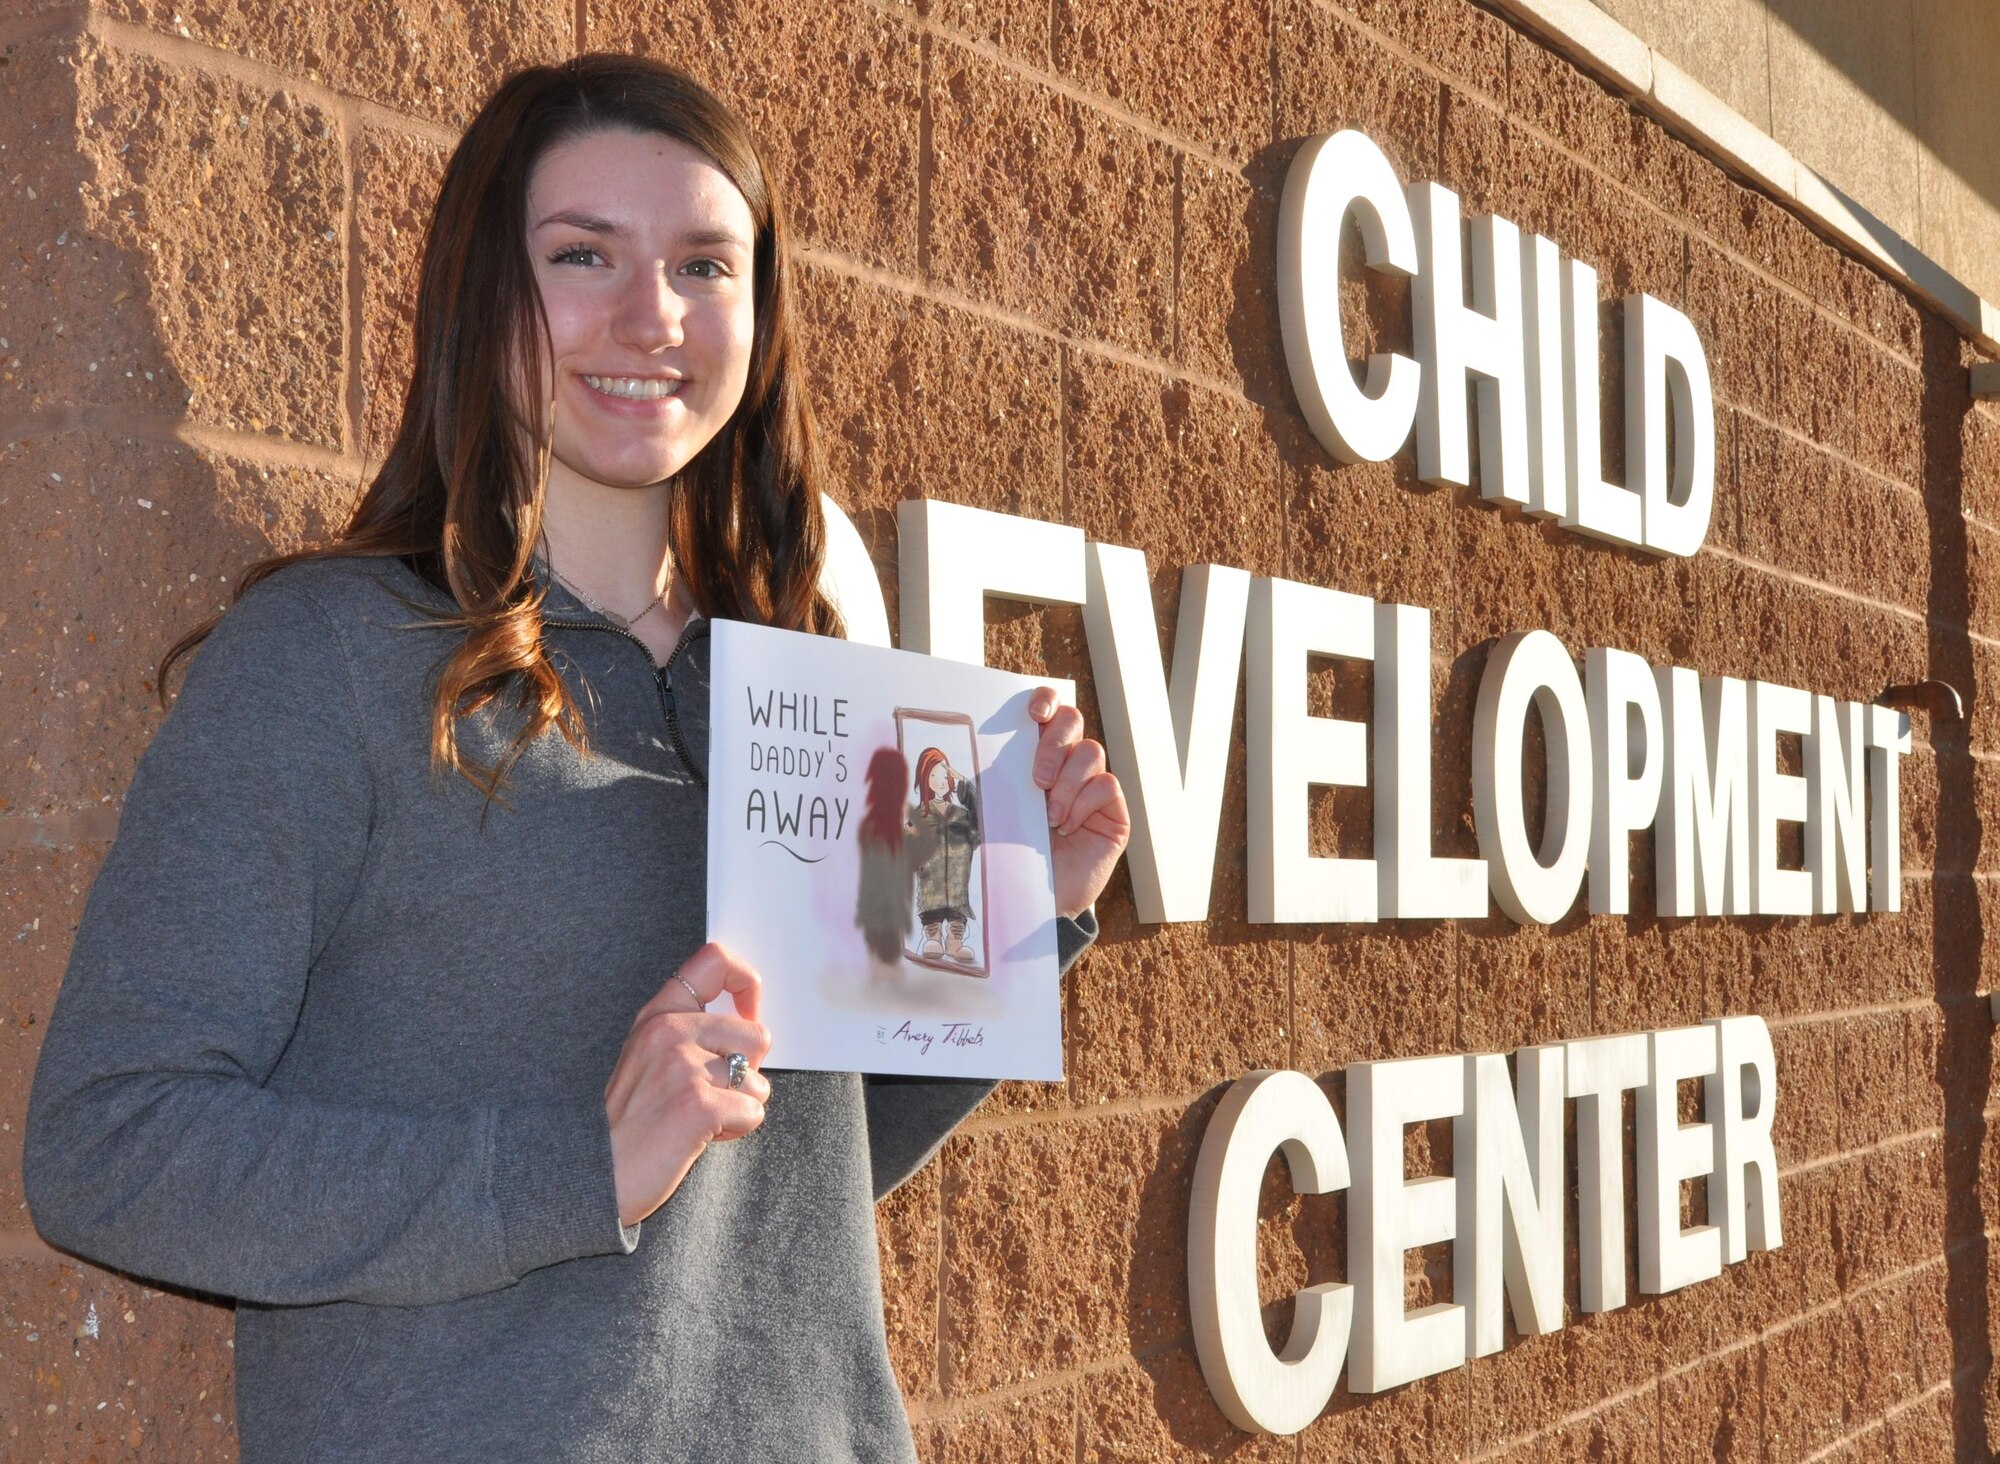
(1062, 732)
(1100, 807)
(1042, 703)
(1084, 762)
(704, 976)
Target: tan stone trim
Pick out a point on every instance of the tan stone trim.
(1579, 30)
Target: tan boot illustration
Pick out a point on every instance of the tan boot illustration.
(957, 949)
(932, 946)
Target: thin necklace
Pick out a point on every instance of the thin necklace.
(612, 615)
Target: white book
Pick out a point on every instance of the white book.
(878, 850)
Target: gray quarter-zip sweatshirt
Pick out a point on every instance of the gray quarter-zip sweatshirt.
(334, 1046)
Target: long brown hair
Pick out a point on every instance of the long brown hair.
(459, 496)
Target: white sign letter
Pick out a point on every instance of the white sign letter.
(1741, 1098)
(1169, 748)
(1454, 342)
(1289, 752)
(1701, 852)
(1671, 373)
(1415, 885)
(1386, 1217)
(1836, 806)
(1509, 1156)
(950, 558)
(1331, 177)
(1776, 798)
(1624, 700)
(1599, 1073)
(1531, 886)
(1260, 1391)
(1669, 1152)
(1888, 741)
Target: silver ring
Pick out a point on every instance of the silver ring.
(739, 1069)
(691, 991)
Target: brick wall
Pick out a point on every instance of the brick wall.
(1040, 244)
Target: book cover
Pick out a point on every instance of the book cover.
(879, 852)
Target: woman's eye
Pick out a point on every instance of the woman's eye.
(707, 269)
(575, 254)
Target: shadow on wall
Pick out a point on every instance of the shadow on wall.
(172, 328)
(1965, 1053)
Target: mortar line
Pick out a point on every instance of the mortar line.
(1861, 1151)
(581, 31)
(1841, 1014)
(353, 324)
(1103, 106)
(1881, 1421)
(185, 52)
(26, 1245)
(926, 150)
(64, 831)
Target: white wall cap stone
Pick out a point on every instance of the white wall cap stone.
(1580, 30)
(1590, 37)
(1727, 132)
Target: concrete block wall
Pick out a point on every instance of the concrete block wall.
(1039, 242)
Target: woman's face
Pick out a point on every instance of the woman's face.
(642, 248)
(940, 780)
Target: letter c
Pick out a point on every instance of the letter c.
(1261, 1391)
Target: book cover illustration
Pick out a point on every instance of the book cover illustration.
(879, 851)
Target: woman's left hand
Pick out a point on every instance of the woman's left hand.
(1089, 824)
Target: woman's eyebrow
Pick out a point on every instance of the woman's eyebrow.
(590, 223)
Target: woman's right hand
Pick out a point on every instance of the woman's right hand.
(669, 1097)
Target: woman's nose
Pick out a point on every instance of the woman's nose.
(650, 313)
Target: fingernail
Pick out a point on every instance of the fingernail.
(1056, 812)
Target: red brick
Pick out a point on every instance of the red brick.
(833, 91)
(1160, 1408)
(1429, 1419)
(1037, 1429)
(396, 183)
(1713, 1411)
(1225, 299)
(1809, 1370)
(1523, 984)
(1468, 44)
(1051, 1230)
(915, 399)
(1537, 1380)
(1044, 206)
(1019, 31)
(1332, 75)
(229, 197)
(907, 1229)
(1199, 71)
(89, 624)
(1548, 92)
(439, 61)
(159, 1363)
(42, 893)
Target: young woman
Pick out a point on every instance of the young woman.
(944, 831)
(366, 1024)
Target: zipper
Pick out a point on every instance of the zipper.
(662, 677)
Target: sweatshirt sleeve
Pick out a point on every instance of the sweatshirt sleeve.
(155, 1142)
(908, 1118)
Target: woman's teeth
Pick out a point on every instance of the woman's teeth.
(636, 388)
